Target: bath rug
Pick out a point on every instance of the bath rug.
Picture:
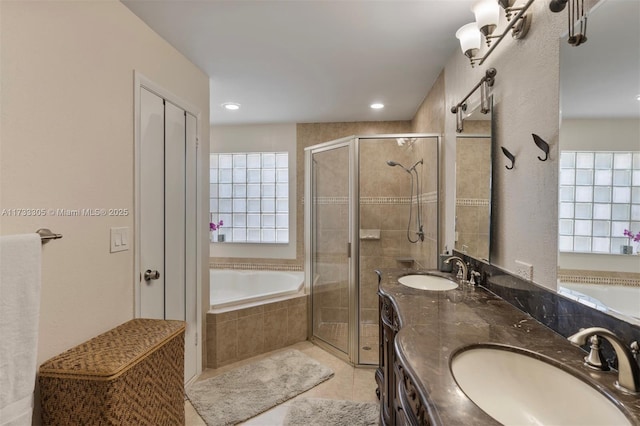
(247, 391)
(330, 412)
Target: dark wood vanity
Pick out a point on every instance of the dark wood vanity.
(401, 402)
(420, 332)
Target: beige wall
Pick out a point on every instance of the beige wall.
(67, 141)
(600, 135)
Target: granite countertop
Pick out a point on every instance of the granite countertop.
(434, 324)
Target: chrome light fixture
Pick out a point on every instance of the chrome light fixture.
(575, 15)
(487, 14)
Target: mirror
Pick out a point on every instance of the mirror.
(473, 185)
(600, 162)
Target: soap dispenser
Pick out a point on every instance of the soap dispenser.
(445, 267)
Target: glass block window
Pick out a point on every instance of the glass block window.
(599, 199)
(249, 192)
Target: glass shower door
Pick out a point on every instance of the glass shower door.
(330, 245)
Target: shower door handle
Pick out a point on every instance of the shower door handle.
(348, 249)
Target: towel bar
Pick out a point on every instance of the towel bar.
(46, 235)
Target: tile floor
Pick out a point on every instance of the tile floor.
(348, 383)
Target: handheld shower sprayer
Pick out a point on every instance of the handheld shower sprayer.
(420, 231)
(393, 164)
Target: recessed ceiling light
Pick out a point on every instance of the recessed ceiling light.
(377, 105)
(638, 97)
(231, 106)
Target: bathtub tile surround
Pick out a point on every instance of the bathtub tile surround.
(561, 314)
(236, 335)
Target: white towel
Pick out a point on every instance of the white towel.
(20, 266)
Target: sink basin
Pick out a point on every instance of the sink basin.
(428, 282)
(517, 387)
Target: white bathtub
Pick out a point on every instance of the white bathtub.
(620, 299)
(233, 289)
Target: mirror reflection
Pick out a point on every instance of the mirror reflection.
(473, 186)
(599, 183)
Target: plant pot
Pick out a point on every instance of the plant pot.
(626, 249)
(221, 238)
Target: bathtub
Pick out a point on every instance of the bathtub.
(233, 289)
(614, 299)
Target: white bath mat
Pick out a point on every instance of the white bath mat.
(246, 391)
(329, 412)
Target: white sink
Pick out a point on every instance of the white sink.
(428, 282)
(517, 389)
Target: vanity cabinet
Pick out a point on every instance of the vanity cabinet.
(385, 375)
(400, 401)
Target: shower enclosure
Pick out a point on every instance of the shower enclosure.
(362, 215)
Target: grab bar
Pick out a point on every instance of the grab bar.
(46, 235)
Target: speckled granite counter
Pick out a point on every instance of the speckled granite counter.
(433, 325)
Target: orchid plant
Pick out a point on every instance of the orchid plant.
(215, 226)
(632, 237)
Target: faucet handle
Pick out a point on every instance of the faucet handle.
(473, 275)
(635, 350)
(595, 358)
(459, 274)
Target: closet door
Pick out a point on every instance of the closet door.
(174, 210)
(168, 217)
(151, 226)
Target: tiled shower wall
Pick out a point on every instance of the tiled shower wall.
(385, 199)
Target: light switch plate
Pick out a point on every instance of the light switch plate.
(119, 239)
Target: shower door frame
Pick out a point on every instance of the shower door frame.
(353, 143)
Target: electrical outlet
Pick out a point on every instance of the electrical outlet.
(524, 270)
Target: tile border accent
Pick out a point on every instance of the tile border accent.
(472, 202)
(595, 280)
(427, 197)
(256, 266)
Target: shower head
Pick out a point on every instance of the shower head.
(393, 164)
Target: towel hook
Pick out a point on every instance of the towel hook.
(543, 145)
(510, 156)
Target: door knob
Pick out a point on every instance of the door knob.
(151, 275)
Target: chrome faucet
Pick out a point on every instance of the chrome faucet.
(462, 268)
(628, 370)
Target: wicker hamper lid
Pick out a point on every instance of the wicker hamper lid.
(112, 353)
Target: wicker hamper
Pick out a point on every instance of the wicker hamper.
(130, 375)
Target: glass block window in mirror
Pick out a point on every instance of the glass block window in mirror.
(249, 193)
(599, 198)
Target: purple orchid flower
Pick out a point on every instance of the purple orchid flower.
(215, 226)
(634, 237)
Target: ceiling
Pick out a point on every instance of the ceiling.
(302, 61)
(601, 78)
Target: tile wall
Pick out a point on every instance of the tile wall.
(236, 335)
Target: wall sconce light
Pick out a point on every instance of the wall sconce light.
(576, 14)
(487, 14)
